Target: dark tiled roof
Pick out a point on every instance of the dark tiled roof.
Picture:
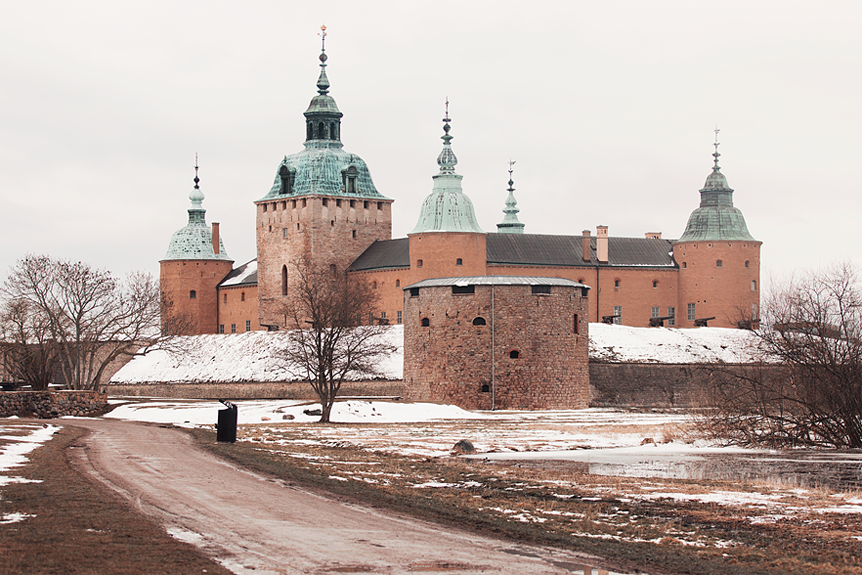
(384, 255)
(541, 250)
(244, 275)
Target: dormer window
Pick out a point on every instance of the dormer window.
(287, 177)
(350, 175)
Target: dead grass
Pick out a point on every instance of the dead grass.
(558, 503)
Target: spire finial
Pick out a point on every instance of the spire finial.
(716, 154)
(197, 179)
(196, 195)
(322, 80)
(447, 160)
(511, 183)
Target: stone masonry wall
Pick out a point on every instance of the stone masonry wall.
(50, 404)
(255, 390)
(451, 359)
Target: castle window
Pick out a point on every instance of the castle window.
(379, 205)
(349, 180)
(398, 317)
(294, 204)
(418, 263)
(654, 284)
(353, 234)
(284, 232)
(264, 207)
(309, 131)
(337, 203)
(690, 312)
(459, 262)
(233, 328)
(577, 327)
(718, 263)
(332, 130)
(514, 354)
(225, 298)
(373, 285)
(221, 328)
(425, 322)
(684, 265)
(283, 280)
(397, 283)
(242, 296)
(616, 283)
(479, 321)
(486, 388)
(365, 205)
(655, 312)
(746, 263)
(541, 289)
(304, 202)
(463, 289)
(193, 294)
(321, 130)
(283, 205)
(753, 285)
(414, 292)
(671, 312)
(287, 177)
(618, 314)
(352, 203)
(248, 325)
(324, 202)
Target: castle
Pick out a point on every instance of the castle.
(323, 204)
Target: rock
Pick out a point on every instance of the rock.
(287, 417)
(647, 440)
(463, 446)
(312, 412)
(264, 418)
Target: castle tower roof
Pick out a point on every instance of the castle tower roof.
(511, 224)
(447, 208)
(716, 218)
(195, 241)
(323, 167)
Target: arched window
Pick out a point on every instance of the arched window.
(616, 283)
(425, 322)
(309, 131)
(654, 284)
(479, 321)
(321, 131)
(746, 263)
(718, 263)
(459, 262)
(373, 285)
(577, 328)
(684, 265)
(242, 296)
(283, 280)
(514, 354)
(753, 285)
(397, 283)
(332, 134)
(225, 298)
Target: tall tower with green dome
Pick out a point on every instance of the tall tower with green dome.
(718, 259)
(323, 204)
(193, 266)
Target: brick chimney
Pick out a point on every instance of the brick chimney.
(585, 245)
(215, 238)
(602, 244)
(653, 235)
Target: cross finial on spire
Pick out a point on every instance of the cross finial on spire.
(716, 154)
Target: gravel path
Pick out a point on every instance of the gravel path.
(254, 524)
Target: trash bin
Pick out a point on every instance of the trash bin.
(226, 426)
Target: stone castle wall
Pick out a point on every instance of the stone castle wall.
(538, 358)
(51, 404)
(256, 390)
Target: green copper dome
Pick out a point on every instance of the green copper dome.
(195, 241)
(323, 167)
(447, 208)
(716, 218)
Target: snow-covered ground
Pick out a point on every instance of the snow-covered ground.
(16, 443)
(253, 356)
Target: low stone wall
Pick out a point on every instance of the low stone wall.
(657, 385)
(254, 390)
(50, 404)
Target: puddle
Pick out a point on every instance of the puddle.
(839, 471)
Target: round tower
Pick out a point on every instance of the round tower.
(719, 261)
(195, 264)
(447, 240)
(322, 206)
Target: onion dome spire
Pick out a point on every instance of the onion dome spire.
(510, 223)
(447, 208)
(322, 80)
(197, 213)
(716, 218)
(323, 118)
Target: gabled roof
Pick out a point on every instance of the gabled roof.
(383, 255)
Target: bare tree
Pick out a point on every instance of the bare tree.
(29, 352)
(807, 389)
(90, 317)
(327, 343)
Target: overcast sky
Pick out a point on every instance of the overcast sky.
(608, 109)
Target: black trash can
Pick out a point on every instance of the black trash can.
(226, 426)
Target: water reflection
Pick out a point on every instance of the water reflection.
(840, 471)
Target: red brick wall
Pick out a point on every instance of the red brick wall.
(236, 306)
(451, 360)
(178, 278)
(332, 234)
(723, 292)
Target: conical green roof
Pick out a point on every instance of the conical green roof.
(195, 241)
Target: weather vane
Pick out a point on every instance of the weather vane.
(716, 137)
(196, 170)
(511, 163)
(322, 38)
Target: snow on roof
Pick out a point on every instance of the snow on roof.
(253, 356)
(233, 358)
(622, 344)
(242, 274)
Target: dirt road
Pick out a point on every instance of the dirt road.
(255, 524)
